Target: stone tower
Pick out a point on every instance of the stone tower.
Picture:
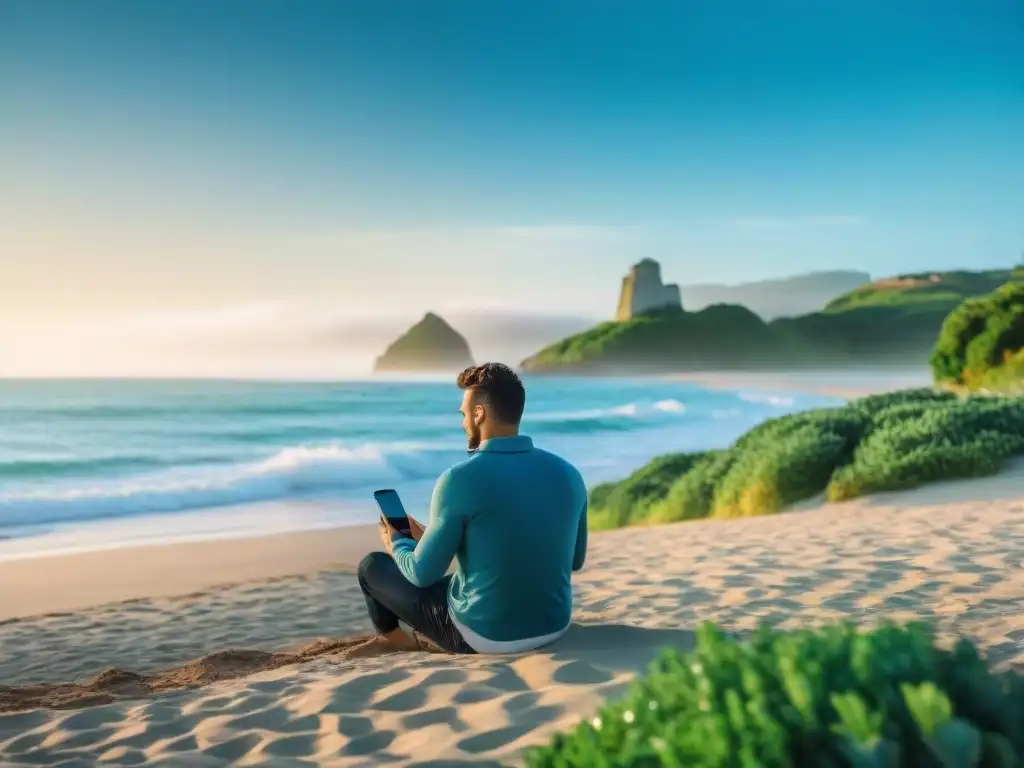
(643, 291)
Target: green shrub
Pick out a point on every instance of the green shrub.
(778, 472)
(1003, 335)
(883, 442)
(980, 337)
(613, 505)
(692, 495)
(873, 404)
(836, 696)
(909, 446)
(1008, 378)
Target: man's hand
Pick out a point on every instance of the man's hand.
(385, 530)
(415, 529)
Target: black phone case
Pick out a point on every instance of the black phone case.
(403, 528)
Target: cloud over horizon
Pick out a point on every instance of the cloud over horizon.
(266, 338)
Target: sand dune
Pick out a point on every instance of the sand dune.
(957, 563)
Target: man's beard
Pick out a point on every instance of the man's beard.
(473, 442)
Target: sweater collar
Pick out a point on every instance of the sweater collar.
(515, 444)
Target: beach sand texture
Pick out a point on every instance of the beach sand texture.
(949, 553)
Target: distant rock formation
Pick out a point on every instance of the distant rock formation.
(430, 345)
(643, 291)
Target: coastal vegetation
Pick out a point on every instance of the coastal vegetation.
(721, 336)
(834, 696)
(981, 343)
(923, 291)
(893, 321)
(886, 442)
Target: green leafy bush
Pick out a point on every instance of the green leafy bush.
(873, 404)
(980, 338)
(693, 494)
(883, 442)
(613, 505)
(780, 471)
(909, 446)
(833, 697)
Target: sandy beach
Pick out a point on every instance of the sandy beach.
(835, 383)
(948, 553)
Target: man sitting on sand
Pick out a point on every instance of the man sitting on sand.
(512, 516)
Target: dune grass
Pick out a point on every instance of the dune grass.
(887, 442)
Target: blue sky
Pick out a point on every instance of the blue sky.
(372, 156)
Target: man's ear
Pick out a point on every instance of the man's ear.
(479, 414)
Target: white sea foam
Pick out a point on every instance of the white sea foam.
(780, 401)
(629, 410)
(293, 471)
(301, 470)
(670, 406)
(180, 448)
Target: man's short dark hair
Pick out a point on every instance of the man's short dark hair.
(499, 386)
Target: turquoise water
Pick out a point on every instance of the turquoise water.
(76, 452)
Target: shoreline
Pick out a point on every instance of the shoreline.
(81, 580)
(849, 384)
(54, 584)
(300, 516)
(244, 520)
(206, 524)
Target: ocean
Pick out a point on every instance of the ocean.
(90, 464)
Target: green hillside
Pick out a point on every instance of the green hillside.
(924, 291)
(719, 337)
(889, 322)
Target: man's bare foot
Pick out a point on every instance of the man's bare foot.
(393, 642)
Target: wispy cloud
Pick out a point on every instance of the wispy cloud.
(561, 232)
(194, 322)
(536, 233)
(796, 222)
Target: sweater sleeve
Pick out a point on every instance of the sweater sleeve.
(579, 555)
(426, 562)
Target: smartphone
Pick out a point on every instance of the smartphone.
(392, 511)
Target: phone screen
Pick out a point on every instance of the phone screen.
(391, 509)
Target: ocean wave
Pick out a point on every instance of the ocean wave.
(183, 411)
(779, 401)
(159, 485)
(27, 469)
(619, 417)
(291, 472)
(670, 406)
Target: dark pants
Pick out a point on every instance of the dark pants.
(390, 598)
